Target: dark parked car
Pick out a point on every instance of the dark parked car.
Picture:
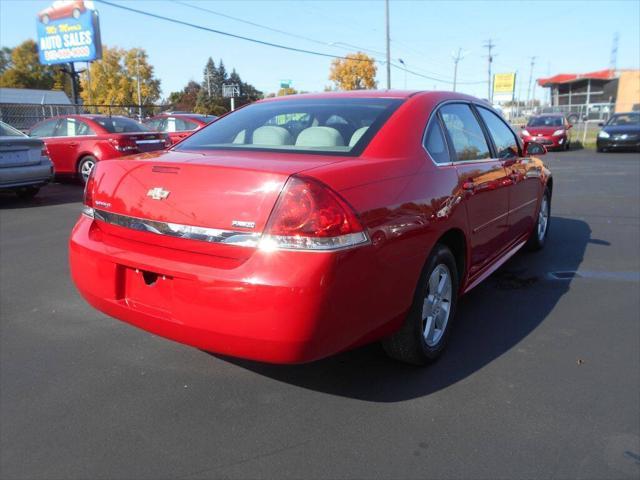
(77, 142)
(622, 131)
(24, 162)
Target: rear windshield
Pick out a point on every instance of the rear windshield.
(120, 125)
(8, 131)
(340, 126)
(625, 119)
(550, 121)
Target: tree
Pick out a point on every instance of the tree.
(24, 70)
(5, 59)
(113, 80)
(185, 100)
(356, 72)
(286, 91)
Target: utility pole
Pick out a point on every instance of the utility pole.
(489, 46)
(388, 41)
(613, 62)
(533, 63)
(456, 59)
(139, 94)
(207, 75)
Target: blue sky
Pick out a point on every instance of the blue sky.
(565, 36)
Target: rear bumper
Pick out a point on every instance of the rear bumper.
(31, 175)
(278, 307)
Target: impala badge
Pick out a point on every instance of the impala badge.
(158, 193)
(243, 224)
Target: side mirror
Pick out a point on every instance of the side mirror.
(534, 148)
(601, 124)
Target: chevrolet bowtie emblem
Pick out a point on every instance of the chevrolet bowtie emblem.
(158, 193)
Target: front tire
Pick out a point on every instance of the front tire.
(85, 166)
(540, 232)
(425, 331)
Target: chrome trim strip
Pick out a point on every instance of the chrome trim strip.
(190, 232)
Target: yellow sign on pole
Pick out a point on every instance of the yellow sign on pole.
(504, 82)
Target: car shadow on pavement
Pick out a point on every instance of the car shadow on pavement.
(67, 191)
(491, 320)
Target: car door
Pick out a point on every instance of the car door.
(56, 147)
(524, 175)
(482, 181)
(72, 133)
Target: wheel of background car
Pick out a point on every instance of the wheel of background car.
(425, 332)
(85, 166)
(541, 230)
(45, 19)
(27, 193)
(76, 13)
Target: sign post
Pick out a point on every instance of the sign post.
(231, 91)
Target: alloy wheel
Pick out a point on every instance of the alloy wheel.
(85, 169)
(543, 218)
(437, 305)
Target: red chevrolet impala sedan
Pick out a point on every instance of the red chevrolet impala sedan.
(298, 227)
(178, 125)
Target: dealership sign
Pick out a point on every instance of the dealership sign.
(504, 86)
(68, 31)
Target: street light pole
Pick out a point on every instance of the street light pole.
(456, 59)
(388, 42)
(139, 93)
(405, 72)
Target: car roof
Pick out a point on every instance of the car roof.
(394, 94)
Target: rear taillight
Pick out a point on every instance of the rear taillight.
(310, 216)
(124, 144)
(87, 207)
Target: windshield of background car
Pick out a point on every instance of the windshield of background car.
(340, 126)
(545, 122)
(120, 125)
(625, 119)
(8, 131)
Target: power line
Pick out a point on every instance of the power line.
(271, 44)
(232, 35)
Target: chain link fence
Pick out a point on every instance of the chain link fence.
(23, 116)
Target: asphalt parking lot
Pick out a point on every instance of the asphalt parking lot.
(541, 380)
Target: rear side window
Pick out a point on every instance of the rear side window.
(435, 143)
(155, 125)
(45, 129)
(72, 127)
(465, 132)
(503, 137)
(120, 125)
(176, 124)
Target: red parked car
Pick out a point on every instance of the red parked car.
(178, 125)
(76, 142)
(295, 228)
(62, 9)
(551, 130)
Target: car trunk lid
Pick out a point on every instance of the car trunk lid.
(192, 196)
(19, 151)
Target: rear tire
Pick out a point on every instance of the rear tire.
(540, 232)
(85, 165)
(425, 331)
(27, 193)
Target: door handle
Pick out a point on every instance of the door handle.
(72, 144)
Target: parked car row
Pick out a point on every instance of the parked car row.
(71, 145)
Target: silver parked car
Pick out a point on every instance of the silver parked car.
(24, 163)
